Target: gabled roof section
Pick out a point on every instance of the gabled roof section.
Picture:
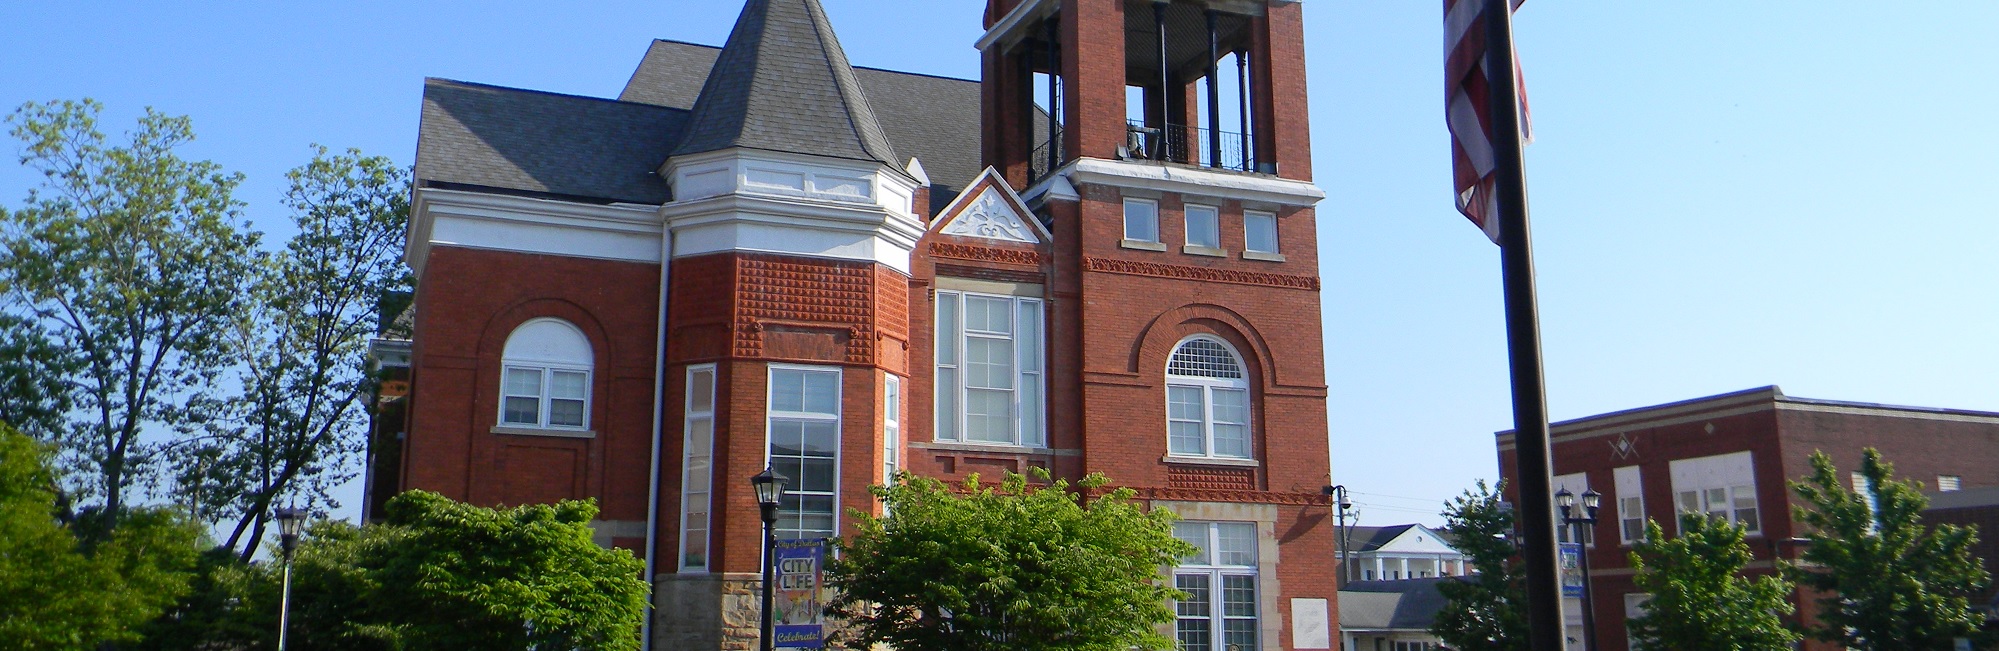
(782, 83)
(543, 144)
(989, 209)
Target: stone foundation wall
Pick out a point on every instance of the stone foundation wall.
(706, 612)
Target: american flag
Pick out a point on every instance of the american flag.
(1468, 110)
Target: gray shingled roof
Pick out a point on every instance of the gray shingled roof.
(531, 141)
(782, 83)
(1408, 604)
(933, 119)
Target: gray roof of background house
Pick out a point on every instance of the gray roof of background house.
(782, 83)
(1408, 604)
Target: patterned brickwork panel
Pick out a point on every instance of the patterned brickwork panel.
(800, 291)
(1210, 478)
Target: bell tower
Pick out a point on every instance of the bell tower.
(1164, 145)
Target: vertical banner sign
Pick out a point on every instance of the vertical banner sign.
(799, 568)
(1572, 570)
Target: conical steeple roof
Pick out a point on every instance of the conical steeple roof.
(782, 83)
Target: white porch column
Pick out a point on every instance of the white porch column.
(1405, 567)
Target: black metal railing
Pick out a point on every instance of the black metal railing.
(1187, 145)
(1045, 158)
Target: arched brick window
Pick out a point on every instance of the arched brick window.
(1207, 400)
(545, 377)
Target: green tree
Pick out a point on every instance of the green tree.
(1485, 611)
(1888, 581)
(1699, 600)
(299, 419)
(1008, 567)
(56, 592)
(131, 257)
(34, 378)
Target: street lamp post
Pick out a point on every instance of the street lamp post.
(770, 487)
(1341, 534)
(1585, 524)
(290, 520)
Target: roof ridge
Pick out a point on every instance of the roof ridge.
(676, 41)
(613, 100)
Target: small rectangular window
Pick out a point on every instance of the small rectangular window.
(1948, 483)
(1141, 220)
(1259, 231)
(523, 396)
(1203, 226)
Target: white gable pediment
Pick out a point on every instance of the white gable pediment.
(990, 210)
(1418, 539)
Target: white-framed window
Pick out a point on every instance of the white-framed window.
(990, 383)
(804, 431)
(1949, 483)
(1721, 486)
(1634, 608)
(1630, 504)
(545, 377)
(697, 471)
(1207, 400)
(1204, 226)
(891, 428)
(1141, 220)
(1220, 611)
(1259, 231)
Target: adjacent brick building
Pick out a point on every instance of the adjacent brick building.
(760, 255)
(1732, 455)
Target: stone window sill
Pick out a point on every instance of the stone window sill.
(1266, 257)
(1204, 250)
(536, 431)
(1211, 461)
(1001, 448)
(1142, 245)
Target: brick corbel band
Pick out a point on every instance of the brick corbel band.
(1185, 272)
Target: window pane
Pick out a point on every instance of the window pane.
(815, 475)
(787, 390)
(819, 437)
(1183, 403)
(1141, 221)
(786, 438)
(1196, 534)
(565, 413)
(1184, 438)
(947, 404)
(989, 314)
(1197, 588)
(822, 392)
(523, 411)
(1030, 336)
(1030, 410)
(947, 328)
(701, 391)
(988, 416)
(1238, 596)
(1237, 541)
(1690, 501)
(1231, 406)
(1203, 228)
(567, 384)
(1259, 232)
(1240, 634)
(1231, 441)
(700, 436)
(523, 382)
(988, 363)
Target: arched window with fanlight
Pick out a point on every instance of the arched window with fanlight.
(1207, 401)
(545, 377)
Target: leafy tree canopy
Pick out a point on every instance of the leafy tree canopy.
(60, 592)
(1699, 600)
(1010, 567)
(1889, 581)
(1485, 611)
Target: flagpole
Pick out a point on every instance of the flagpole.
(1536, 509)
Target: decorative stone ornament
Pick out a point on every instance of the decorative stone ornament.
(992, 218)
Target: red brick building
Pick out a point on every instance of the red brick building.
(759, 255)
(1732, 455)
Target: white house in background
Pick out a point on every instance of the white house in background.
(1403, 551)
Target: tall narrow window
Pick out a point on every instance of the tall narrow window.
(989, 369)
(1630, 504)
(697, 468)
(1259, 232)
(1141, 220)
(1204, 228)
(1207, 401)
(804, 434)
(1220, 611)
(891, 428)
(545, 377)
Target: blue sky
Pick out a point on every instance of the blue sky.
(1725, 194)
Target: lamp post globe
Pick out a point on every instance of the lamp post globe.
(769, 492)
(1591, 501)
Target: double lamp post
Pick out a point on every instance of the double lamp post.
(770, 488)
(1585, 523)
